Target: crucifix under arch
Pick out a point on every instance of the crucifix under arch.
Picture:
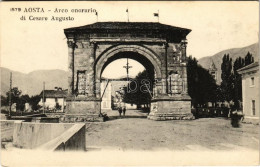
(127, 68)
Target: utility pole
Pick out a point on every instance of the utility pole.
(43, 100)
(10, 95)
(127, 68)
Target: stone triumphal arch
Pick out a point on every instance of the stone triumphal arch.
(160, 48)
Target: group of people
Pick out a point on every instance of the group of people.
(121, 109)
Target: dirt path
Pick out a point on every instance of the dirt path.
(138, 133)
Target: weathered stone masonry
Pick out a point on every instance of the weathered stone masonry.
(160, 48)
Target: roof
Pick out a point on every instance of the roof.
(127, 25)
(108, 26)
(250, 66)
(54, 93)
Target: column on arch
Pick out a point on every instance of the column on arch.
(91, 71)
(71, 48)
(184, 79)
(184, 66)
(97, 87)
(160, 87)
(165, 79)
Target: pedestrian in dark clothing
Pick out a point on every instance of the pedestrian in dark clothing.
(120, 111)
(124, 110)
(236, 117)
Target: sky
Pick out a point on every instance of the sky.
(35, 45)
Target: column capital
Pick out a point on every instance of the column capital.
(71, 43)
(184, 47)
(165, 45)
(92, 43)
(184, 43)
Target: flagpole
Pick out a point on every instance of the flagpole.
(127, 15)
(158, 16)
(97, 16)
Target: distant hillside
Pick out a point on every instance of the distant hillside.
(32, 83)
(233, 53)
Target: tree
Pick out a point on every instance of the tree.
(239, 63)
(4, 101)
(192, 76)
(249, 59)
(15, 96)
(219, 96)
(202, 86)
(57, 106)
(138, 91)
(20, 100)
(20, 105)
(227, 86)
(34, 100)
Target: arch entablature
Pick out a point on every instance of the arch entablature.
(148, 54)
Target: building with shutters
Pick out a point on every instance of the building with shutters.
(250, 91)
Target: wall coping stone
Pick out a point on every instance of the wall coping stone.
(64, 137)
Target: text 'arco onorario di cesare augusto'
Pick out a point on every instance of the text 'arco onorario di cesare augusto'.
(37, 10)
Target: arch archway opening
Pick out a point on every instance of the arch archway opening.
(134, 56)
(117, 69)
(114, 87)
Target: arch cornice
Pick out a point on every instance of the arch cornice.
(147, 53)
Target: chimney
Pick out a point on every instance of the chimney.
(58, 88)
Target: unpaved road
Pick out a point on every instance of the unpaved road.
(134, 132)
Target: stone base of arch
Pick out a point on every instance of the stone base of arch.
(82, 109)
(85, 109)
(171, 108)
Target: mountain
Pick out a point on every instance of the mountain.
(32, 83)
(233, 53)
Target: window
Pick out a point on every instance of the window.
(253, 107)
(214, 75)
(252, 81)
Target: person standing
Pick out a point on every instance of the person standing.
(124, 110)
(120, 111)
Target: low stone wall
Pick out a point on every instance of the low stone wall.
(7, 129)
(210, 112)
(24, 118)
(45, 120)
(81, 118)
(73, 118)
(30, 135)
(72, 139)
